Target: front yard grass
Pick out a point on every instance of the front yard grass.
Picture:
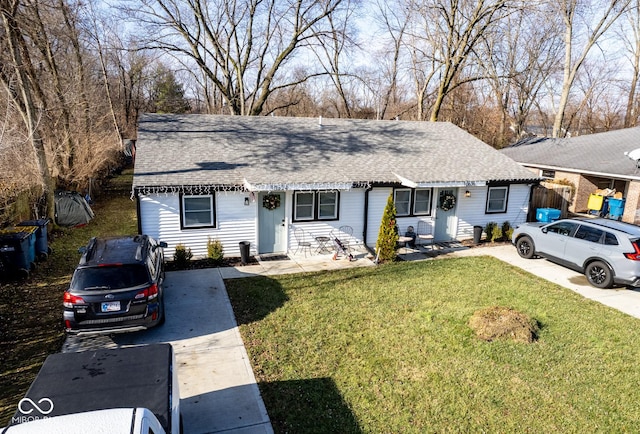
(389, 349)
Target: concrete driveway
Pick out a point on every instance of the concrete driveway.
(218, 391)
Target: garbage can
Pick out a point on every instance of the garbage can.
(42, 244)
(547, 215)
(17, 246)
(244, 251)
(477, 234)
(616, 208)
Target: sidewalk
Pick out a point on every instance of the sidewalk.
(297, 264)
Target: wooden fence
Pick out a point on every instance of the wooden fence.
(549, 195)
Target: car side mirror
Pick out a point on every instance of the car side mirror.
(544, 230)
(163, 244)
(82, 250)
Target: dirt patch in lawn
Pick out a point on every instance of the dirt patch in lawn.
(503, 323)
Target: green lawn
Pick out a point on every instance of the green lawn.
(389, 349)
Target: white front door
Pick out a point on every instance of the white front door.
(446, 220)
(271, 223)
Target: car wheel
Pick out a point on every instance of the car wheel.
(525, 247)
(599, 274)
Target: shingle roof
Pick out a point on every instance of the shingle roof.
(229, 150)
(595, 153)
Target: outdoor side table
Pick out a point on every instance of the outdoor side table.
(402, 241)
(322, 244)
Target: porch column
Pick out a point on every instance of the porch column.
(632, 202)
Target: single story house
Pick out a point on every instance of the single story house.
(592, 162)
(257, 179)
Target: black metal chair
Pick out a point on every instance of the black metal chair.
(302, 243)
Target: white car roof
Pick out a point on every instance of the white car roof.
(110, 421)
(627, 228)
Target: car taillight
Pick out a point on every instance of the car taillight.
(149, 293)
(635, 256)
(69, 300)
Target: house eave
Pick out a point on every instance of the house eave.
(582, 171)
(454, 184)
(197, 189)
(303, 186)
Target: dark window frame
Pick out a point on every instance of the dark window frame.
(506, 199)
(412, 201)
(409, 207)
(214, 214)
(547, 173)
(316, 206)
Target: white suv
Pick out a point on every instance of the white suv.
(606, 251)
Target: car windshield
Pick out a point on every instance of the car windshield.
(109, 277)
(562, 228)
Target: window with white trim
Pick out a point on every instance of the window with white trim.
(410, 201)
(422, 201)
(327, 205)
(198, 211)
(304, 206)
(402, 201)
(497, 199)
(315, 205)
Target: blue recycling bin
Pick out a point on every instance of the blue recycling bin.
(616, 208)
(547, 215)
(42, 243)
(17, 246)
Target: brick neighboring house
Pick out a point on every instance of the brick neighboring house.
(590, 162)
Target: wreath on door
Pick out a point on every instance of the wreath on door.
(447, 202)
(271, 201)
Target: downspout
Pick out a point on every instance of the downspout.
(531, 213)
(136, 196)
(366, 219)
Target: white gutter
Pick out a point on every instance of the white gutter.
(582, 172)
(412, 184)
(304, 186)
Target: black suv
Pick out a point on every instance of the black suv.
(116, 287)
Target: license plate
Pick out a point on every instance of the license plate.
(110, 306)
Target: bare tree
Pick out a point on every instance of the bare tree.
(585, 22)
(453, 29)
(600, 106)
(630, 36)
(385, 83)
(518, 59)
(17, 80)
(242, 46)
(333, 50)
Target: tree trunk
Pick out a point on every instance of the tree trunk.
(24, 101)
